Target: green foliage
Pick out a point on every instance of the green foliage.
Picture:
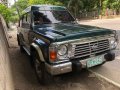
(14, 18)
(6, 12)
(53, 2)
(112, 4)
(21, 5)
(75, 6)
(90, 5)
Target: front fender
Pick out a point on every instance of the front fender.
(42, 48)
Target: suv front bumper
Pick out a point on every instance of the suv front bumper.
(74, 66)
(59, 69)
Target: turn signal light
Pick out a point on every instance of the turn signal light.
(53, 55)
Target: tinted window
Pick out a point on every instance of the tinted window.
(63, 16)
(40, 17)
(52, 16)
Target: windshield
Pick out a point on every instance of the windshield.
(63, 16)
(52, 16)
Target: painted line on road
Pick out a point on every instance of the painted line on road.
(106, 79)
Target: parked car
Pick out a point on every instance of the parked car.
(57, 44)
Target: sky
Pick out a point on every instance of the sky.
(11, 2)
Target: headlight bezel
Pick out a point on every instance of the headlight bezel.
(60, 49)
(59, 58)
(113, 43)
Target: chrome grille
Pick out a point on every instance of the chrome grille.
(91, 48)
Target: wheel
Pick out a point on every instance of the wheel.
(42, 75)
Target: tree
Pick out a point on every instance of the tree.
(6, 12)
(64, 2)
(21, 5)
(112, 4)
(116, 6)
(75, 6)
(53, 2)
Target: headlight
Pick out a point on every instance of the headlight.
(62, 50)
(113, 43)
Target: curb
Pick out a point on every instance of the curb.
(106, 79)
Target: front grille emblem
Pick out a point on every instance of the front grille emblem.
(94, 47)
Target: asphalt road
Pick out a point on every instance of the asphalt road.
(25, 79)
(110, 70)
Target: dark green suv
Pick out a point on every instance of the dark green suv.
(57, 44)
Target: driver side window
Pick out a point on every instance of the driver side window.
(40, 18)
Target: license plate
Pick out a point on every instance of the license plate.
(95, 61)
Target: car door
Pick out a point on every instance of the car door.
(26, 29)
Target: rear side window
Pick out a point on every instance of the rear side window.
(24, 19)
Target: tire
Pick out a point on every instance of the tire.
(42, 75)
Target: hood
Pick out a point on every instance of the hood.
(62, 31)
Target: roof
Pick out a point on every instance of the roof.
(44, 7)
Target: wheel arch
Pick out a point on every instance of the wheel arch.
(35, 47)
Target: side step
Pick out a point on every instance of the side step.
(28, 52)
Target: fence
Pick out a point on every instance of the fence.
(88, 15)
(108, 13)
